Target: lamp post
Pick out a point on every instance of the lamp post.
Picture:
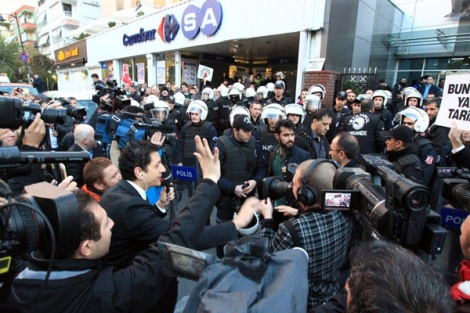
(21, 41)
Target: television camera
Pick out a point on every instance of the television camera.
(388, 205)
(116, 100)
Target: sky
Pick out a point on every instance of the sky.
(9, 6)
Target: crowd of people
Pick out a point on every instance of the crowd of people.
(235, 135)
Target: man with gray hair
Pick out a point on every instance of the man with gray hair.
(84, 140)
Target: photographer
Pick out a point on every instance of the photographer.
(80, 284)
(323, 234)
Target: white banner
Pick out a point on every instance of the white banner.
(205, 72)
(455, 105)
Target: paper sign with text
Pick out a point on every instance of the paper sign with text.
(455, 104)
(205, 72)
(315, 65)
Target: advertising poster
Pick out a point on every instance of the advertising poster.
(140, 73)
(161, 70)
(189, 72)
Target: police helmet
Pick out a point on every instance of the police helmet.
(407, 90)
(295, 109)
(262, 90)
(237, 110)
(239, 86)
(380, 93)
(197, 106)
(235, 92)
(160, 110)
(208, 91)
(416, 114)
(270, 87)
(152, 99)
(312, 102)
(414, 94)
(179, 98)
(223, 90)
(273, 110)
(281, 75)
(250, 93)
(317, 88)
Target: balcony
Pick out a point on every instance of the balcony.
(28, 26)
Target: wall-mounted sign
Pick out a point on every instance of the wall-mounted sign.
(315, 65)
(168, 28)
(65, 54)
(142, 36)
(207, 19)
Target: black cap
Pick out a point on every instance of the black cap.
(342, 95)
(243, 122)
(170, 99)
(279, 84)
(401, 132)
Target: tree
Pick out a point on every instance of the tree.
(40, 64)
(10, 62)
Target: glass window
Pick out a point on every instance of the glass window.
(411, 64)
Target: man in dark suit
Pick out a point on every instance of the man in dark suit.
(429, 88)
(84, 136)
(137, 223)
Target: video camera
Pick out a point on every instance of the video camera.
(457, 188)
(393, 208)
(116, 100)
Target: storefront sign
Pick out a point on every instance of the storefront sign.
(142, 36)
(65, 54)
(168, 28)
(207, 20)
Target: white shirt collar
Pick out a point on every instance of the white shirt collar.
(139, 190)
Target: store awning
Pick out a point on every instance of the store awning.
(43, 40)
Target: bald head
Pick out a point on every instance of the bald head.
(84, 136)
(320, 178)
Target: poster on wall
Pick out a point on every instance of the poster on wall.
(189, 73)
(161, 70)
(205, 72)
(140, 73)
(455, 106)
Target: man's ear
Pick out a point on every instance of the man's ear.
(84, 249)
(137, 172)
(98, 186)
(276, 135)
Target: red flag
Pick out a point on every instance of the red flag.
(125, 78)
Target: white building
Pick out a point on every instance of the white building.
(55, 18)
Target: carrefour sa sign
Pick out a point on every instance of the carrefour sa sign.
(207, 19)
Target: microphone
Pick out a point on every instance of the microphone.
(167, 178)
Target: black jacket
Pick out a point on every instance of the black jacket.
(88, 287)
(462, 158)
(412, 170)
(76, 169)
(137, 223)
(296, 155)
(439, 136)
(366, 127)
(304, 140)
(336, 122)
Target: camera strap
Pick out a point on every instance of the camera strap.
(293, 233)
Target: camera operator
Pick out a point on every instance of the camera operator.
(323, 234)
(84, 140)
(402, 154)
(81, 284)
(460, 152)
(386, 277)
(30, 141)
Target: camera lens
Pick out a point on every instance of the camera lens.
(417, 200)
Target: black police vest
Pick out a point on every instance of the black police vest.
(213, 111)
(267, 139)
(405, 161)
(191, 132)
(421, 142)
(173, 116)
(240, 161)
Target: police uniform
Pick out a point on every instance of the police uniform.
(225, 107)
(386, 117)
(439, 136)
(427, 155)
(283, 101)
(407, 163)
(337, 120)
(308, 141)
(185, 145)
(213, 111)
(366, 127)
(267, 140)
